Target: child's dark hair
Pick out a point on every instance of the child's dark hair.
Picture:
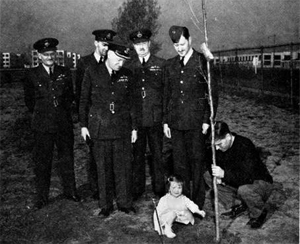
(174, 178)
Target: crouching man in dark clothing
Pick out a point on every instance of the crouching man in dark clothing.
(241, 176)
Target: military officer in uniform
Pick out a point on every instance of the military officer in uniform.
(48, 95)
(107, 117)
(187, 111)
(148, 72)
(102, 37)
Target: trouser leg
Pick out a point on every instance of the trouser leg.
(64, 142)
(167, 155)
(138, 164)
(155, 137)
(180, 161)
(227, 195)
(196, 151)
(122, 168)
(103, 157)
(43, 154)
(92, 172)
(255, 196)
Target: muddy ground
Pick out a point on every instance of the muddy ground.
(274, 130)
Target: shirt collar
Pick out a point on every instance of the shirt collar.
(146, 58)
(108, 68)
(97, 56)
(188, 55)
(47, 68)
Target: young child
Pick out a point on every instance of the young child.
(174, 206)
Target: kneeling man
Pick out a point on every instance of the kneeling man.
(241, 176)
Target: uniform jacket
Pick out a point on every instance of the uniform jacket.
(83, 63)
(242, 164)
(49, 99)
(186, 104)
(107, 106)
(149, 84)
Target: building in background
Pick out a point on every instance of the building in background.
(12, 60)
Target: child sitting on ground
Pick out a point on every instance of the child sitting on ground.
(174, 206)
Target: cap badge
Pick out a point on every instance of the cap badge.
(108, 36)
(47, 44)
(173, 31)
(139, 34)
(126, 50)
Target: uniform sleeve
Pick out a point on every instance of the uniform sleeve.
(68, 92)
(85, 99)
(29, 92)
(166, 96)
(135, 102)
(79, 78)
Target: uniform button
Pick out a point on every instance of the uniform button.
(181, 91)
(182, 71)
(113, 93)
(181, 82)
(143, 79)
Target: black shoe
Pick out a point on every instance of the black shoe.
(128, 210)
(105, 212)
(74, 198)
(235, 211)
(256, 223)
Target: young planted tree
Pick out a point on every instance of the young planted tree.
(136, 14)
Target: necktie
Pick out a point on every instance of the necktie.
(50, 72)
(181, 62)
(143, 63)
(113, 75)
(101, 60)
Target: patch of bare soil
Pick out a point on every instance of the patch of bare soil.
(274, 130)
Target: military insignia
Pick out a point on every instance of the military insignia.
(126, 50)
(174, 32)
(155, 68)
(139, 34)
(47, 44)
(123, 78)
(108, 36)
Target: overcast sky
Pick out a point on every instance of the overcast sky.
(231, 23)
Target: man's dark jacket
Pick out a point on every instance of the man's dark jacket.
(242, 164)
(49, 99)
(186, 105)
(149, 85)
(98, 93)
